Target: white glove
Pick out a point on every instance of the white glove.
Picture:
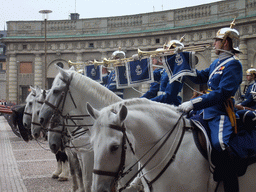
(178, 49)
(186, 106)
(135, 57)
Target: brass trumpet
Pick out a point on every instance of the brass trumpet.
(115, 62)
(153, 53)
(78, 66)
(72, 63)
(199, 48)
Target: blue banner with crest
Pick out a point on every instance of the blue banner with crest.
(139, 71)
(121, 77)
(180, 64)
(94, 73)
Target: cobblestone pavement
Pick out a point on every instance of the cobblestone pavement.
(27, 167)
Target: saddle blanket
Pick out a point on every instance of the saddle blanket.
(243, 143)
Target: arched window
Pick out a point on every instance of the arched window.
(60, 65)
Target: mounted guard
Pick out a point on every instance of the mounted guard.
(109, 80)
(223, 78)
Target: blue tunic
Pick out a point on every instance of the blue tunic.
(222, 85)
(155, 86)
(169, 92)
(223, 80)
(250, 99)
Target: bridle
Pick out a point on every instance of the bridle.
(35, 123)
(120, 172)
(58, 111)
(66, 136)
(26, 113)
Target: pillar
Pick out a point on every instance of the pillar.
(244, 60)
(13, 79)
(38, 71)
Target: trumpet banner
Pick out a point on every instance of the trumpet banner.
(179, 65)
(94, 73)
(121, 77)
(139, 71)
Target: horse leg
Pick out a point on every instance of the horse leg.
(56, 173)
(80, 175)
(65, 167)
(87, 161)
(75, 170)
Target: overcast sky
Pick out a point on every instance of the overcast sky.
(24, 10)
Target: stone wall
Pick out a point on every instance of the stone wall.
(96, 38)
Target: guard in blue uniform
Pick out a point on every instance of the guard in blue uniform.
(109, 80)
(161, 90)
(223, 78)
(249, 98)
(156, 85)
(246, 109)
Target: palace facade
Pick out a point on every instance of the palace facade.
(81, 40)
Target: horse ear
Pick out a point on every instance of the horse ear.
(63, 73)
(93, 112)
(123, 113)
(44, 94)
(72, 68)
(32, 89)
(37, 90)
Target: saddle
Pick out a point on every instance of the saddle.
(244, 155)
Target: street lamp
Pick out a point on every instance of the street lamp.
(45, 14)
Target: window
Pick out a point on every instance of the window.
(1, 66)
(157, 40)
(91, 45)
(24, 47)
(60, 65)
(26, 67)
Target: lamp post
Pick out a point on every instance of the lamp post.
(45, 14)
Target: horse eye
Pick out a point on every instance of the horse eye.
(55, 91)
(114, 148)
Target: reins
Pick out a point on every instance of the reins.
(154, 154)
(119, 174)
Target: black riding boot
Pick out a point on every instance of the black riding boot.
(230, 178)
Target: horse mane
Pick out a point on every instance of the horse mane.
(98, 91)
(141, 104)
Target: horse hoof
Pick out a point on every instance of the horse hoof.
(63, 179)
(55, 176)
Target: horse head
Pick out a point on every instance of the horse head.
(28, 108)
(56, 96)
(56, 133)
(145, 122)
(36, 106)
(110, 143)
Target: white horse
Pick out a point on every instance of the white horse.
(70, 91)
(60, 137)
(28, 108)
(33, 105)
(151, 123)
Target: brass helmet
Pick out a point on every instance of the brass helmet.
(175, 43)
(232, 33)
(251, 71)
(118, 54)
